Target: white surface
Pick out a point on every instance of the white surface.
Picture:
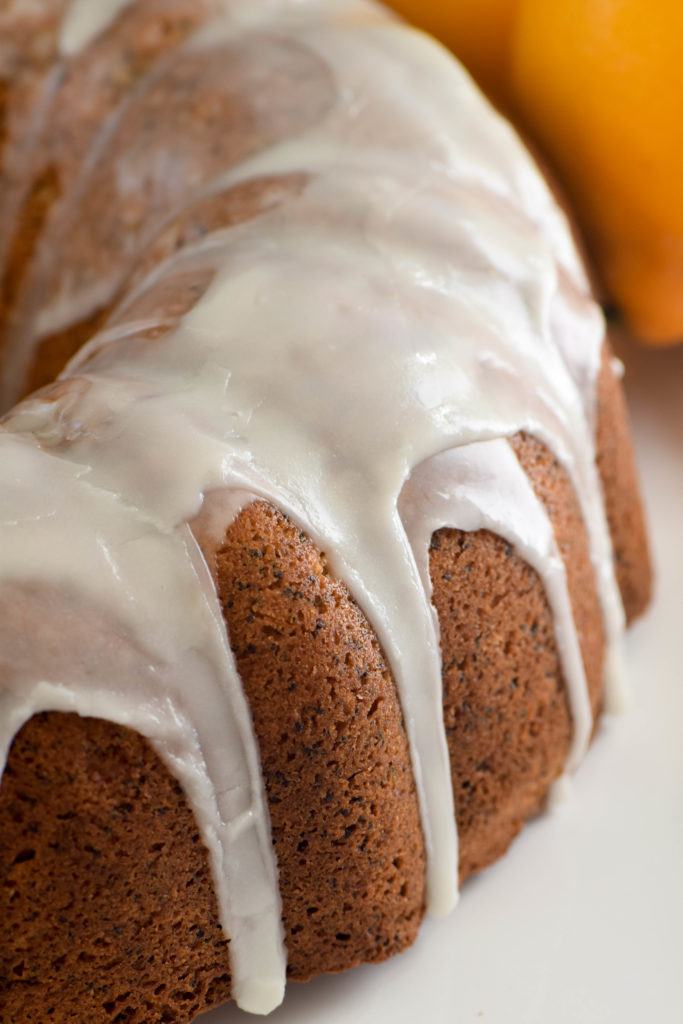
(582, 921)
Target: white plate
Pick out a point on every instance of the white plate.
(582, 921)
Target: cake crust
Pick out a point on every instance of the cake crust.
(95, 833)
(106, 894)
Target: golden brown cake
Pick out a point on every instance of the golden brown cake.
(315, 559)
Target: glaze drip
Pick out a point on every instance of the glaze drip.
(85, 20)
(421, 300)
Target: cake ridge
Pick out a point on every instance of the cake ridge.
(438, 364)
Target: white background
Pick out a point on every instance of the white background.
(582, 921)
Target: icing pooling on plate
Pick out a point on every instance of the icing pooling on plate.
(425, 273)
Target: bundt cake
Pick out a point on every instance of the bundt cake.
(314, 548)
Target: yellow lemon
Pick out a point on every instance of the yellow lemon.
(478, 32)
(598, 85)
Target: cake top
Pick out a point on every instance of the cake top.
(357, 354)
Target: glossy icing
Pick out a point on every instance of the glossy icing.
(423, 269)
(84, 20)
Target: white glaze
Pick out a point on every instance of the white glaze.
(85, 20)
(482, 486)
(426, 272)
